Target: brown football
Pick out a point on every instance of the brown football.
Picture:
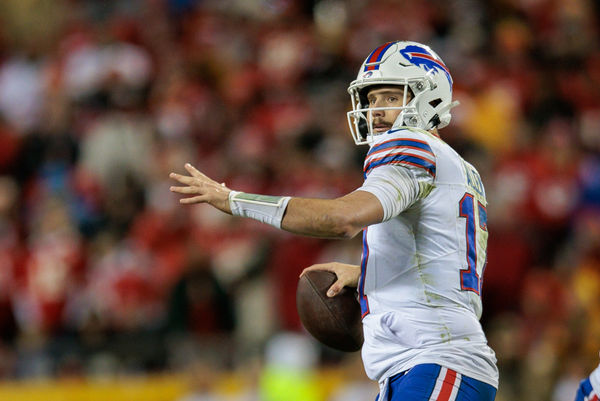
(335, 322)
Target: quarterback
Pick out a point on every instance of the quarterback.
(422, 214)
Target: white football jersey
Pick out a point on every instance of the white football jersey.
(422, 267)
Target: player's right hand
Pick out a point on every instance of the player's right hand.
(203, 189)
(347, 275)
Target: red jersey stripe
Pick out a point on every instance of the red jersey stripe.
(403, 147)
(375, 160)
(380, 145)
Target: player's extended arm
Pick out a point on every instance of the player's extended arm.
(334, 218)
(338, 218)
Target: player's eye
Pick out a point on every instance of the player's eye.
(393, 99)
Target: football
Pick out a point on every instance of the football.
(335, 322)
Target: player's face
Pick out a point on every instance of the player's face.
(385, 96)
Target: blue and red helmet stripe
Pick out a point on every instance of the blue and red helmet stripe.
(376, 56)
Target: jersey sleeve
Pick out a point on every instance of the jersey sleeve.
(399, 172)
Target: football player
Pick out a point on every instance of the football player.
(422, 213)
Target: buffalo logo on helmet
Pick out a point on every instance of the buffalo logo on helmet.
(420, 57)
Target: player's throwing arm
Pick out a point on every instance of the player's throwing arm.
(343, 217)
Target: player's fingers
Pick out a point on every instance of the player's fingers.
(319, 266)
(194, 171)
(308, 269)
(335, 288)
(195, 199)
(185, 190)
(184, 179)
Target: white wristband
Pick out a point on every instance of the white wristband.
(264, 208)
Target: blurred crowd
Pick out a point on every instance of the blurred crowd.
(103, 272)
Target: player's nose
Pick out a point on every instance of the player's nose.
(375, 112)
(378, 113)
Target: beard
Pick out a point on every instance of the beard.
(379, 123)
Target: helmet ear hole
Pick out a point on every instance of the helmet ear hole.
(410, 93)
(435, 121)
(363, 129)
(435, 102)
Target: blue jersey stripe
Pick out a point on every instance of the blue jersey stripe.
(469, 279)
(402, 158)
(400, 142)
(586, 385)
(362, 297)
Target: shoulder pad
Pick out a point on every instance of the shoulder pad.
(406, 146)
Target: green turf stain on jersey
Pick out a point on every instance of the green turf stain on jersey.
(426, 278)
(432, 296)
(425, 189)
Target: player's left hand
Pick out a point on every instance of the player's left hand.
(204, 189)
(347, 275)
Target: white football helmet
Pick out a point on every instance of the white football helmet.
(408, 64)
